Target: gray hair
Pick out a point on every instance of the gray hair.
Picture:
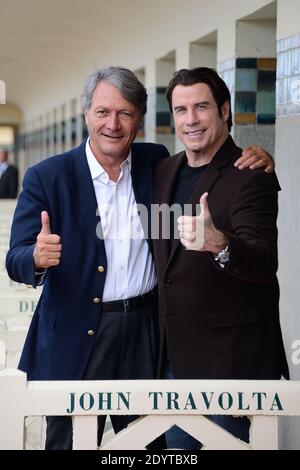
(124, 80)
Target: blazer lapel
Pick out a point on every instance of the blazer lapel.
(85, 197)
(165, 195)
(142, 183)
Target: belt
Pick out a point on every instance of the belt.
(133, 303)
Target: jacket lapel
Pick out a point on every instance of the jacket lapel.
(84, 196)
(165, 194)
(142, 183)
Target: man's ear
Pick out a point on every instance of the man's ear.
(85, 112)
(225, 110)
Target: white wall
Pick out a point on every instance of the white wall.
(10, 114)
(256, 38)
(84, 35)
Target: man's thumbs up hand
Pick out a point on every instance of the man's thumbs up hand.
(45, 223)
(199, 232)
(48, 248)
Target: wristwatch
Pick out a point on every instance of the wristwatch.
(223, 256)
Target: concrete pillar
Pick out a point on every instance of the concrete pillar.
(44, 152)
(68, 125)
(287, 155)
(79, 124)
(165, 68)
(36, 156)
(59, 119)
(182, 62)
(51, 121)
(182, 59)
(203, 52)
(150, 118)
(21, 159)
(140, 74)
(226, 57)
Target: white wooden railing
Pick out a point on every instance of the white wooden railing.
(23, 402)
(162, 404)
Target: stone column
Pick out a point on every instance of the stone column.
(150, 118)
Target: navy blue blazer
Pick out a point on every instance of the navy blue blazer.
(57, 346)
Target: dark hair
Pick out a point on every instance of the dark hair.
(210, 77)
(124, 80)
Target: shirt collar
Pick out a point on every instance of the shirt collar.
(95, 167)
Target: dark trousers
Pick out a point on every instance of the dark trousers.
(125, 348)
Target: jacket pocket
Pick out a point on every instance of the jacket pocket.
(234, 318)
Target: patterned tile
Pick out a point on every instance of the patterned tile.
(245, 102)
(246, 80)
(263, 118)
(266, 64)
(266, 80)
(245, 118)
(163, 118)
(265, 102)
(246, 63)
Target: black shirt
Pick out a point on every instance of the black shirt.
(187, 179)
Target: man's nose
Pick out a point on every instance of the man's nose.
(113, 121)
(192, 117)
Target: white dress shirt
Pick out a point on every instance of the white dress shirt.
(3, 167)
(130, 265)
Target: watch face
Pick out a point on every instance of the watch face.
(224, 257)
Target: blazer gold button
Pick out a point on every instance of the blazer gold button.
(96, 300)
(100, 269)
(91, 332)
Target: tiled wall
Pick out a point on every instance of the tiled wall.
(288, 76)
(255, 91)
(252, 84)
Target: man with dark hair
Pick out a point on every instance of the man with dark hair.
(218, 290)
(8, 177)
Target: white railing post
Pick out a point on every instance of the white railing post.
(13, 390)
(264, 433)
(160, 403)
(2, 344)
(84, 432)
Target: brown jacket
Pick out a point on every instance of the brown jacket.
(223, 323)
